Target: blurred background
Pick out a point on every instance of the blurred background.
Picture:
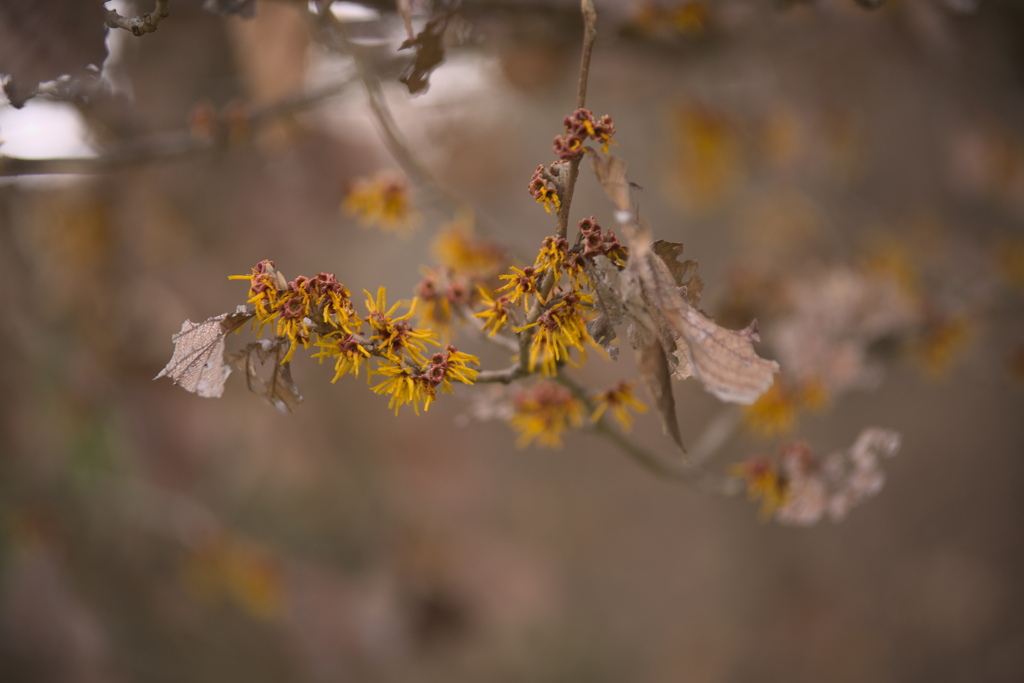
(147, 534)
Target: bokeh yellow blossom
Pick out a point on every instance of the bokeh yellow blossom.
(543, 413)
(382, 200)
(620, 399)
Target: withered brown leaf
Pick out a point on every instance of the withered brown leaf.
(683, 272)
(197, 364)
(724, 361)
(611, 173)
(429, 44)
(279, 389)
(653, 366)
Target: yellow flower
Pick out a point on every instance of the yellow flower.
(774, 412)
(395, 337)
(450, 365)
(457, 248)
(382, 200)
(298, 304)
(522, 284)
(409, 386)
(544, 413)
(764, 482)
(552, 256)
(404, 387)
(620, 399)
(558, 329)
(496, 314)
(350, 352)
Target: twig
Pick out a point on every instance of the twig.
(669, 468)
(569, 186)
(165, 146)
(146, 23)
(506, 376)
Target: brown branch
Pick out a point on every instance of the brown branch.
(146, 23)
(669, 468)
(506, 376)
(172, 146)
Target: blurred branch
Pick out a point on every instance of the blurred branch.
(589, 36)
(146, 23)
(673, 468)
(166, 146)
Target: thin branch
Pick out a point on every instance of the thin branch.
(568, 187)
(506, 376)
(669, 468)
(165, 146)
(146, 23)
(589, 36)
(393, 138)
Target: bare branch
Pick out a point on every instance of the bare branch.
(506, 376)
(165, 146)
(146, 23)
(673, 468)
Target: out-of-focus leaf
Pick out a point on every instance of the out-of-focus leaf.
(42, 41)
(243, 8)
(279, 389)
(197, 364)
(429, 44)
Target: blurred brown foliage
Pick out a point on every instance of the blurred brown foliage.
(797, 148)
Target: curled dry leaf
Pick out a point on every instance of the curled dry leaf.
(724, 361)
(279, 389)
(611, 173)
(684, 273)
(197, 364)
(429, 45)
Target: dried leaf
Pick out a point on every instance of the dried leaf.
(429, 44)
(604, 276)
(197, 364)
(654, 372)
(683, 272)
(279, 389)
(611, 173)
(723, 360)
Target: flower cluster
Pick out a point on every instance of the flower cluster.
(407, 385)
(458, 249)
(445, 295)
(544, 412)
(764, 482)
(544, 187)
(560, 327)
(382, 200)
(801, 488)
(596, 242)
(322, 306)
(580, 126)
(775, 412)
(295, 306)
